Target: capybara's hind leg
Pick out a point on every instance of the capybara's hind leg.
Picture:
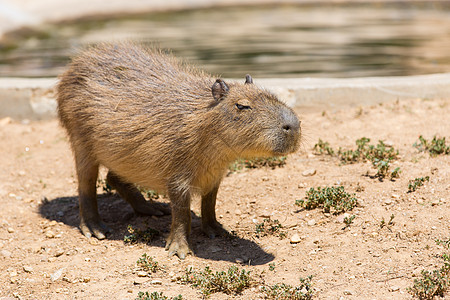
(90, 221)
(132, 195)
(210, 226)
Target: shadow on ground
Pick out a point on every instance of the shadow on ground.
(118, 215)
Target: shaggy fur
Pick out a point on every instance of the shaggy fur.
(160, 123)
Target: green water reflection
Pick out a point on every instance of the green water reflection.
(270, 41)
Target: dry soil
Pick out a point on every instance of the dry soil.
(44, 256)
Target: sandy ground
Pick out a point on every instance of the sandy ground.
(44, 256)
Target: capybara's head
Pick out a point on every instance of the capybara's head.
(253, 122)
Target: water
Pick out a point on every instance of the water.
(269, 41)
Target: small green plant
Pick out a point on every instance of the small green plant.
(435, 147)
(104, 185)
(353, 156)
(413, 185)
(272, 267)
(140, 236)
(395, 173)
(323, 148)
(231, 282)
(383, 167)
(156, 296)
(282, 291)
(381, 156)
(270, 227)
(147, 264)
(151, 194)
(349, 220)
(445, 243)
(271, 162)
(436, 282)
(388, 224)
(331, 199)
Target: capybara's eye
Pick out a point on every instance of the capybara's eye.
(242, 107)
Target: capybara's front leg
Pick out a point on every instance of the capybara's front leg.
(90, 221)
(210, 226)
(177, 242)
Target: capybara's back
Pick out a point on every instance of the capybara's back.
(160, 123)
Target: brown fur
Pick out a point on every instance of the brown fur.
(159, 123)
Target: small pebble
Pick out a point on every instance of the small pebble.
(59, 252)
(22, 173)
(295, 238)
(237, 212)
(142, 274)
(28, 269)
(140, 280)
(309, 172)
(156, 282)
(10, 230)
(312, 222)
(239, 261)
(347, 292)
(215, 249)
(394, 288)
(388, 202)
(435, 202)
(5, 121)
(389, 143)
(49, 234)
(55, 276)
(265, 214)
(302, 185)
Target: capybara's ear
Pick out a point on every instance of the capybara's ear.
(219, 89)
(248, 79)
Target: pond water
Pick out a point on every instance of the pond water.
(267, 41)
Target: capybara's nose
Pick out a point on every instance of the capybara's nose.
(291, 124)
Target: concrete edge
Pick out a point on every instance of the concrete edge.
(24, 98)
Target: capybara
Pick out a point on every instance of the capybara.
(157, 122)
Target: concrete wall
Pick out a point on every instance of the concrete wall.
(35, 98)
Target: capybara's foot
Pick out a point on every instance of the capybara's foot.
(214, 229)
(96, 228)
(151, 208)
(179, 247)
